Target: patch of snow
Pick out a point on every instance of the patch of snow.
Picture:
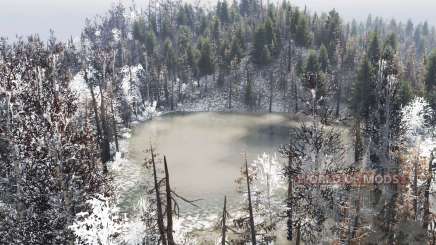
(79, 86)
(100, 226)
(419, 133)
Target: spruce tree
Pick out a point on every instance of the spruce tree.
(323, 58)
(259, 43)
(374, 50)
(302, 34)
(205, 62)
(430, 79)
(363, 99)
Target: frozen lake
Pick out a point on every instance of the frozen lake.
(205, 151)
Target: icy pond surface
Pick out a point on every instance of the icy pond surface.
(205, 152)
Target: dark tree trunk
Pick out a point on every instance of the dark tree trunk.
(250, 206)
(290, 221)
(295, 95)
(426, 216)
(415, 188)
(172, 94)
(271, 90)
(166, 91)
(160, 218)
(169, 205)
(94, 107)
(338, 99)
(105, 144)
(103, 150)
(298, 236)
(356, 221)
(224, 228)
(114, 125)
(358, 145)
(230, 92)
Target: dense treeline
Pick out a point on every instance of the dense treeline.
(55, 145)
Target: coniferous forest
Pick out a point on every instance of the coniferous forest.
(361, 96)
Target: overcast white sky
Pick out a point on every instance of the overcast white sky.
(417, 10)
(67, 17)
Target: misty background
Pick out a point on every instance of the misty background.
(67, 17)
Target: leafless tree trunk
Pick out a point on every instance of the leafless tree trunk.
(271, 90)
(338, 100)
(338, 93)
(169, 205)
(114, 123)
(355, 224)
(224, 227)
(426, 217)
(94, 106)
(295, 94)
(290, 221)
(172, 92)
(415, 188)
(100, 136)
(160, 218)
(166, 91)
(250, 206)
(105, 128)
(358, 144)
(298, 236)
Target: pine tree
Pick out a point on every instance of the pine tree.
(205, 62)
(259, 46)
(311, 71)
(323, 58)
(363, 100)
(302, 35)
(223, 11)
(430, 79)
(374, 51)
(333, 35)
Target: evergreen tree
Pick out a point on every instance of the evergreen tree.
(333, 35)
(205, 62)
(294, 21)
(139, 31)
(150, 43)
(363, 99)
(302, 35)
(259, 45)
(409, 28)
(374, 50)
(323, 58)
(391, 41)
(169, 55)
(312, 78)
(405, 93)
(430, 79)
(223, 11)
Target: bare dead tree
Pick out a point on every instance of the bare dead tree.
(111, 94)
(169, 210)
(250, 206)
(426, 215)
(271, 90)
(224, 226)
(168, 207)
(159, 212)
